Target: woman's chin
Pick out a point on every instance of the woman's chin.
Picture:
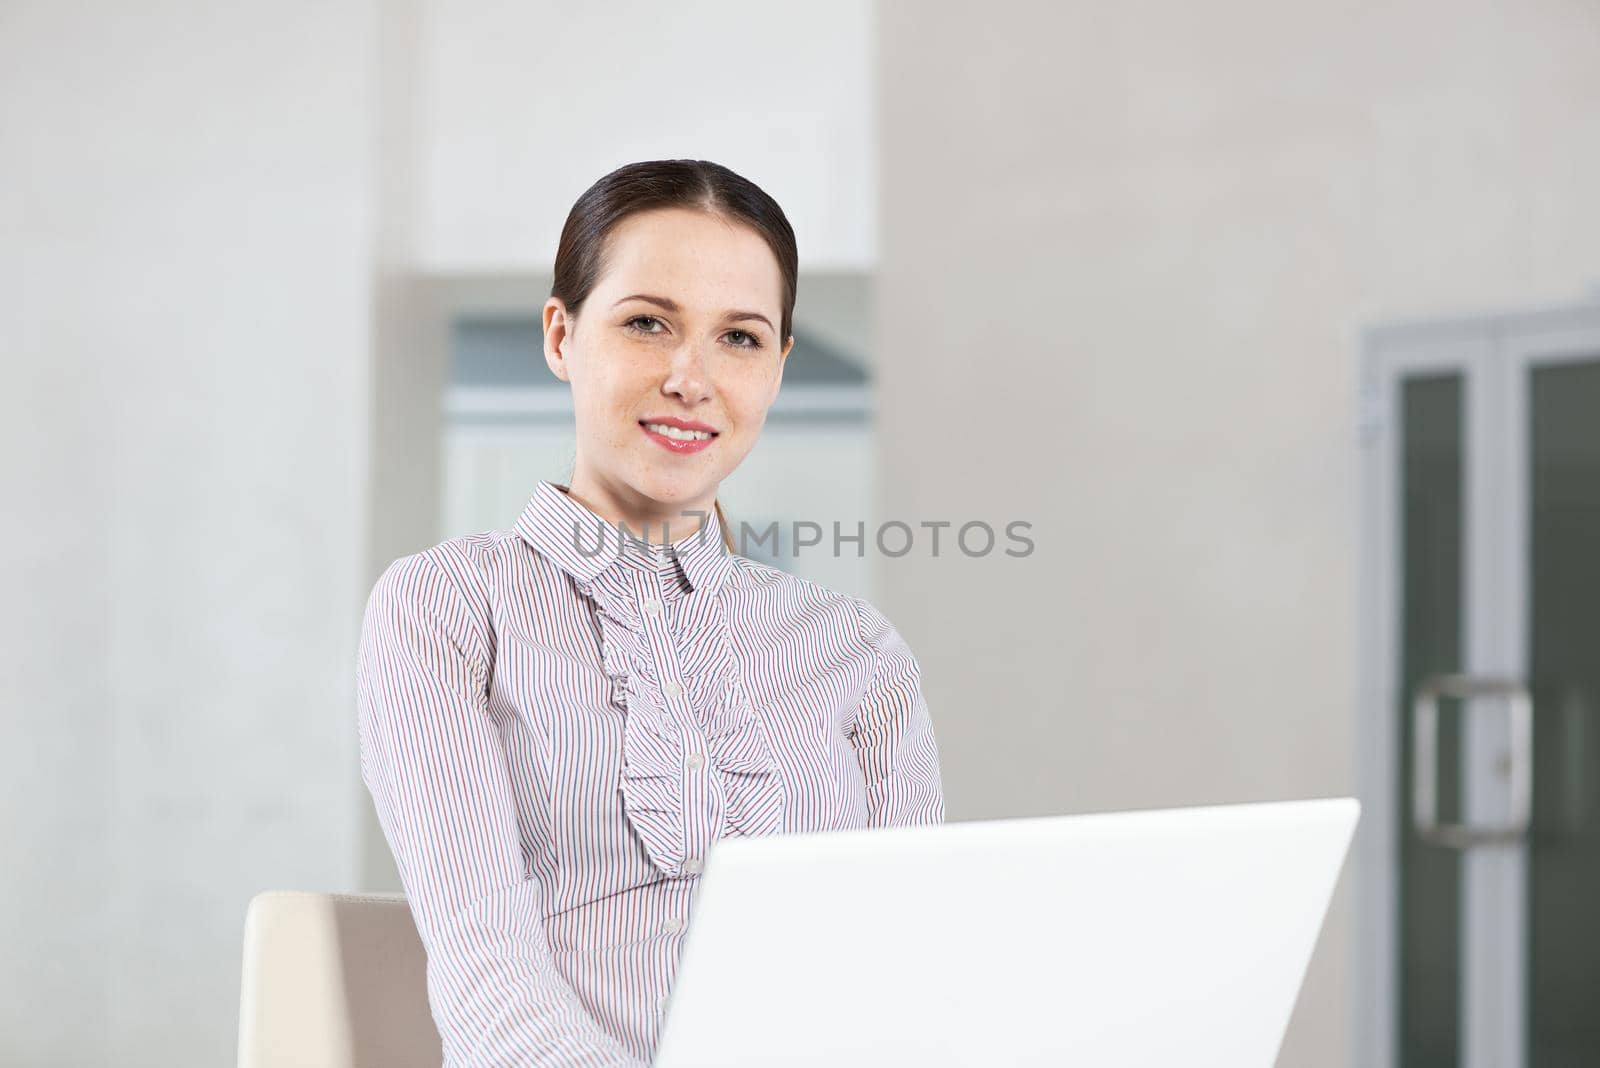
(670, 487)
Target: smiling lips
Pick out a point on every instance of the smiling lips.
(678, 435)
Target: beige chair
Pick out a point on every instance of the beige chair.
(334, 981)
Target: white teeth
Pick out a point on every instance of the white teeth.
(676, 434)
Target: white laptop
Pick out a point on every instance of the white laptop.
(1153, 938)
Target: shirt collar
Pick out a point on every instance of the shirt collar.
(586, 546)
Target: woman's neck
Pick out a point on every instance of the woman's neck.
(643, 518)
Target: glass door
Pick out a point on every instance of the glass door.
(1480, 874)
(1555, 369)
(1432, 492)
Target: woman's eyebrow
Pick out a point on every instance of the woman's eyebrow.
(736, 316)
(672, 306)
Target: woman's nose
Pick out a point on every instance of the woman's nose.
(688, 378)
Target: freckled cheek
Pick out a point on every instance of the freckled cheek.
(748, 410)
(606, 420)
(611, 400)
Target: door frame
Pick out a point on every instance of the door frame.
(1494, 355)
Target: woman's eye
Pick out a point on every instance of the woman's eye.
(742, 339)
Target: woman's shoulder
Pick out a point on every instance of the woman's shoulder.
(808, 594)
(454, 575)
(465, 557)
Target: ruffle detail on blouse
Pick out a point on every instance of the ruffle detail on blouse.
(653, 752)
(736, 741)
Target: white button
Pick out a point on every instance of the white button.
(692, 865)
(672, 926)
(661, 1007)
(671, 688)
(694, 761)
(652, 607)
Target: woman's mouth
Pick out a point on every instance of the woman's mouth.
(678, 439)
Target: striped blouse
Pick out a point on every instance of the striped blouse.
(556, 723)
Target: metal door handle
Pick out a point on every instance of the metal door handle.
(1425, 759)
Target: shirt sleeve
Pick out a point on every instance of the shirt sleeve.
(894, 735)
(432, 757)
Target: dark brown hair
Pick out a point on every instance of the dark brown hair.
(695, 184)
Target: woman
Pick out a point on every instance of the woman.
(558, 720)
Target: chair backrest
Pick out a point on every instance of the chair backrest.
(334, 981)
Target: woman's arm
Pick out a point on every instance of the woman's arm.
(434, 762)
(894, 735)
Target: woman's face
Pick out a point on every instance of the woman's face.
(682, 328)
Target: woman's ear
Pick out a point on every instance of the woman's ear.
(558, 328)
(783, 360)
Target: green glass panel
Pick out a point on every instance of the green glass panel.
(1432, 550)
(1564, 675)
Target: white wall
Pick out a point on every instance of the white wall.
(1129, 247)
(523, 105)
(55, 444)
(185, 219)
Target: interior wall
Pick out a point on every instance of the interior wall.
(186, 219)
(1126, 254)
(523, 105)
(56, 531)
